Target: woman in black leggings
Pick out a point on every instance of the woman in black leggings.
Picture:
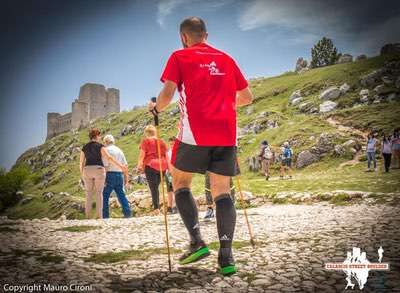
(149, 163)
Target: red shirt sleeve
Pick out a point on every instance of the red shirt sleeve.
(172, 71)
(241, 82)
(143, 145)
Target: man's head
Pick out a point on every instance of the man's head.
(108, 139)
(193, 30)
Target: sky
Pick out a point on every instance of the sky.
(50, 48)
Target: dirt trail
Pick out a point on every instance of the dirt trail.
(348, 130)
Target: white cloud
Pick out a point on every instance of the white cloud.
(291, 14)
(165, 8)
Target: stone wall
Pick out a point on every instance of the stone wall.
(57, 123)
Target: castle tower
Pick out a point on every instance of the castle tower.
(113, 100)
(80, 114)
(95, 95)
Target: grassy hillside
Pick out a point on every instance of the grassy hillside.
(54, 165)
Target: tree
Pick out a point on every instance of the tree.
(324, 53)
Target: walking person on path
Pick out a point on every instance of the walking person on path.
(387, 151)
(116, 178)
(396, 149)
(210, 203)
(371, 151)
(266, 157)
(168, 179)
(93, 172)
(211, 86)
(149, 164)
(286, 164)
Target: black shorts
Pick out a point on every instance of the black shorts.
(199, 159)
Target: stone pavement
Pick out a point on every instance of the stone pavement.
(294, 242)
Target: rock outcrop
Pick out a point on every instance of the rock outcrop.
(345, 58)
(330, 93)
(390, 49)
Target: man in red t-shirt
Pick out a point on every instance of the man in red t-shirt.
(211, 86)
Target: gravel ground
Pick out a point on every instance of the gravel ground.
(293, 243)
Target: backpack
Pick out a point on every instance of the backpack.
(287, 153)
(267, 153)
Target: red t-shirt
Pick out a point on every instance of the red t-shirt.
(207, 81)
(149, 146)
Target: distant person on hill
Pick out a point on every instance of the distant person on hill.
(116, 178)
(396, 149)
(210, 203)
(168, 179)
(286, 163)
(371, 151)
(149, 163)
(266, 157)
(93, 172)
(387, 151)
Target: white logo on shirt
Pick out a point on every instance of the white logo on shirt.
(212, 67)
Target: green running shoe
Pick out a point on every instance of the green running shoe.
(226, 262)
(196, 252)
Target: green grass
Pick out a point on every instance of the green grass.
(82, 228)
(271, 95)
(134, 254)
(49, 258)
(5, 229)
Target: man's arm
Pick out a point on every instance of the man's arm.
(244, 97)
(165, 96)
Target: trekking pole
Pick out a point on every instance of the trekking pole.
(252, 242)
(156, 123)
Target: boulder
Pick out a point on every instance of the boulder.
(391, 97)
(344, 88)
(372, 78)
(380, 89)
(364, 99)
(249, 110)
(300, 64)
(254, 163)
(306, 158)
(390, 49)
(296, 101)
(126, 130)
(304, 106)
(361, 57)
(327, 106)
(339, 150)
(387, 80)
(64, 194)
(48, 195)
(330, 93)
(345, 58)
(323, 145)
(272, 124)
(295, 95)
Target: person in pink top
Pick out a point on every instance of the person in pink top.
(211, 87)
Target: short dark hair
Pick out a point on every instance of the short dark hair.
(93, 133)
(172, 138)
(194, 26)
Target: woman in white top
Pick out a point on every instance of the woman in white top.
(371, 146)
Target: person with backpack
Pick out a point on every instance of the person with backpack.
(286, 163)
(266, 157)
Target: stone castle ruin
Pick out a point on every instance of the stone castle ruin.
(94, 101)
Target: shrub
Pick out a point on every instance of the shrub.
(10, 183)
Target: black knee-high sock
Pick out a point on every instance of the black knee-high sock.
(226, 221)
(188, 210)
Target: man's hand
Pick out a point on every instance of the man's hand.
(151, 106)
(139, 169)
